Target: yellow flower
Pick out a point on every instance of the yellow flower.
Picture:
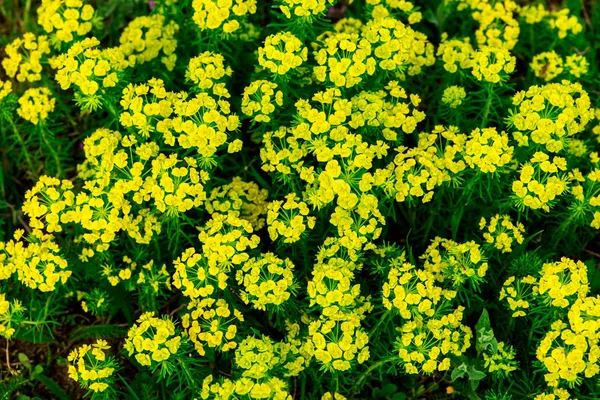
(267, 280)
(152, 340)
(493, 64)
(24, 56)
(551, 131)
(487, 150)
(224, 16)
(281, 53)
(259, 100)
(36, 104)
(563, 282)
(455, 53)
(547, 65)
(344, 60)
(66, 20)
(453, 96)
(577, 65)
(501, 232)
(146, 37)
(209, 72)
(92, 368)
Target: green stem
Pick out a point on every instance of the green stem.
(26, 14)
(51, 150)
(488, 104)
(22, 143)
(381, 321)
(373, 367)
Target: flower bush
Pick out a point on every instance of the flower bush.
(373, 199)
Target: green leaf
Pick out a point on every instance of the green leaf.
(23, 359)
(37, 370)
(484, 321)
(98, 332)
(33, 335)
(474, 374)
(459, 372)
(131, 391)
(52, 387)
(485, 334)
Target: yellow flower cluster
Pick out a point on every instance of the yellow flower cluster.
(327, 148)
(569, 354)
(52, 204)
(36, 104)
(152, 339)
(5, 89)
(85, 67)
(227, 16)
(24, 56)
(577, 65)
(259, 361)
(281, 53)
(202, 122)
(417, 171)
(540, 182)
(212, 323)
(66, 20)
(563, 23)
(501, 232)
(289, 219)
(425, 343)
(338, 344)
(344, 60)
(397, 48)
(38, 264)
(533, 13)
(303, 11)
(502, 362)
(146, 37)
(455, 53)
(497, 25)
(456, 263)
(245, 199)
(547, 65)
(493, 64)
(193, 277)
(562, 282)
(558, 20)
(413, 292)
(259, 100)
(570, 351)
(453, 96)
(10, 315)
(92, 367)
(557, 394)
(337, 337)
(519, 293)
(226, 240)
(332, 396)
(208, 72)
(487, 150)
(267, 281)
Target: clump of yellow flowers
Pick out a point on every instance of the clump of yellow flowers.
(93, 367)
(24, 55)
(66, 20)
(152, 340)
(302, 199)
